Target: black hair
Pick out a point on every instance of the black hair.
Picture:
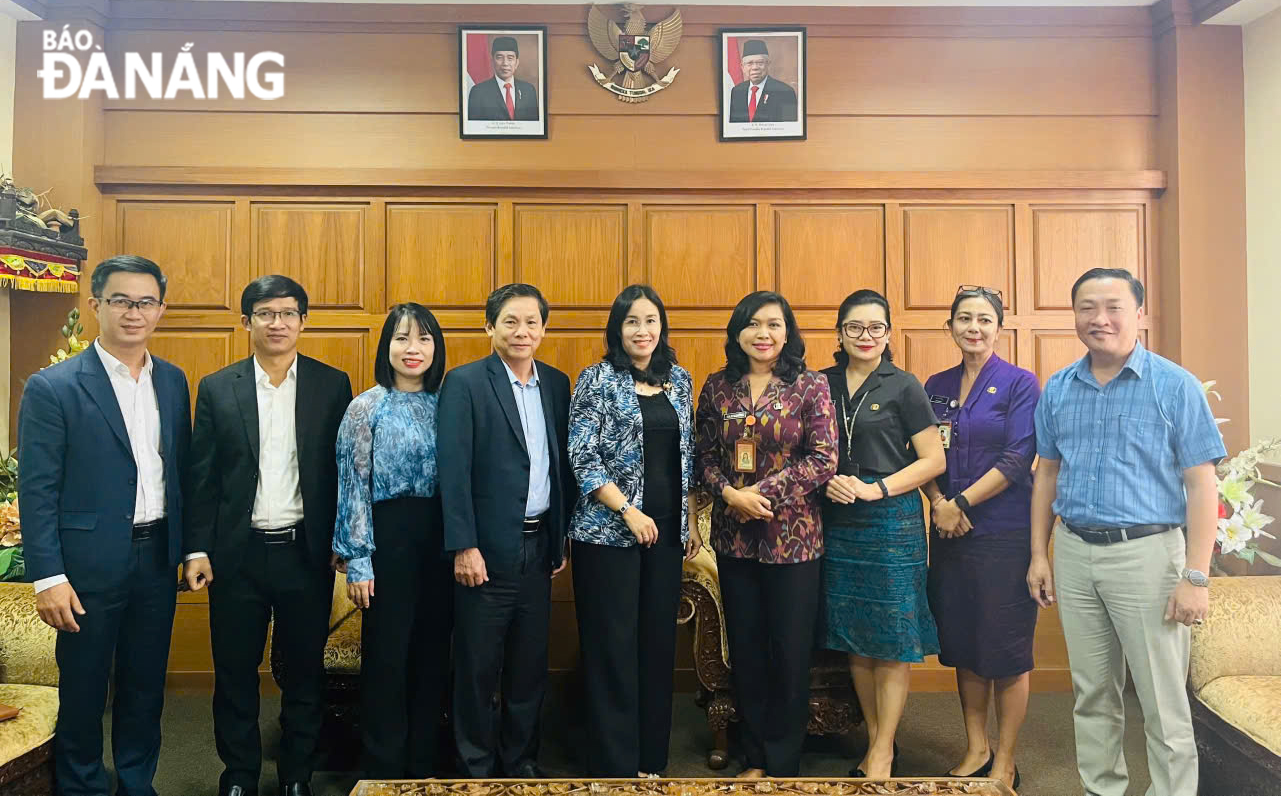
(500, 296)
(664, 356)
(272, 286)
(426, 322)
(1136, 287)
(791, 361)
(997, 305)
(857, 299)
(125, 264)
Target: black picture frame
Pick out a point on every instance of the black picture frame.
(787, 51)
(481, 116)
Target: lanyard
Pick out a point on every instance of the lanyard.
(849, 421)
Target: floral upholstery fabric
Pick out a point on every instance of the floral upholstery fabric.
(27, 644)
(1242, 634)
(1250, 703)
(342, 651)
(34, 725)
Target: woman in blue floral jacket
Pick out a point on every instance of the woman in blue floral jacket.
(631, 444)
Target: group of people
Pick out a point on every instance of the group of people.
(451, 501)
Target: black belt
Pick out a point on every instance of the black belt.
(1114, 535)
(147, 530)
(285, 535)
(533, 524)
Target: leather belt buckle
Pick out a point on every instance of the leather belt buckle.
(146, 530)
(1115, 535)
(278, 535)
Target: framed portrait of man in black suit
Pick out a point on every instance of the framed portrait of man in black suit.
(502, 82)
(762, 87)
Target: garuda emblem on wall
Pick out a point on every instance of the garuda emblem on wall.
(635, 50)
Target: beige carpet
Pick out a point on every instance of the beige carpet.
(931, 739)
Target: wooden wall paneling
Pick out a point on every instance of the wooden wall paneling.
(324, 246)
(1053, 351)
(374, 273)
(430, 141)
(574, 253)
(198, 352)
(192, 244)
(381, 72)
(344, 348)
(1069, 240)
(1024, 264)
(571, 351)
(701, 256)
(946, 246)
(701, 353)
(819, 347)
(442, 255)
(636, 272)
(466, 345)
(928, 351)
(767, 276)
(895, 254)
(825, 253)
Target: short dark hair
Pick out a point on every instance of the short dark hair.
(125, 264)
(664, 356)
(494, 304)
(791, 361)
(857, 299)
(1136, 287)
(272, 286)
(986, 295)
(426, 322)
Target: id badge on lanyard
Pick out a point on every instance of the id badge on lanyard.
(945, 426)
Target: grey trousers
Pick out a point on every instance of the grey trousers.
(1112, 602)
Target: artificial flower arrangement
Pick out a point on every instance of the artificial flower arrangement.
(1241, 517)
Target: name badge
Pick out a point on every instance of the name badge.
(945, 434)
(745, 455)
(739, 415)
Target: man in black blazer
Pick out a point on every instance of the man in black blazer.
(507, 491)
(103, 438)
(760, 98)
(503, 96)
(264, 493)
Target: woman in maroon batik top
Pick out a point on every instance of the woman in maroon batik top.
(766, 445)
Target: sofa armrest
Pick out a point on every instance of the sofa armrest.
(1242, 634)
(26, 643)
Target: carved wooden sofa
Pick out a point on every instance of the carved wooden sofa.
(834, 708)
(28, 680)
(1234, 686)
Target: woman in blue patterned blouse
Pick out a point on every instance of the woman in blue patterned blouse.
(387, 491)
(631, 444)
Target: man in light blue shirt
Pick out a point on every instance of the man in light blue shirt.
(506, 493)
(1127, 447)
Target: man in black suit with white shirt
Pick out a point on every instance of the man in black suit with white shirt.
(503, 97)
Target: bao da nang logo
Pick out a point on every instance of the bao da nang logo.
(153, 74)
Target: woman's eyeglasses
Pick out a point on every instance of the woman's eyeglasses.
(979, 289)
(854, 330)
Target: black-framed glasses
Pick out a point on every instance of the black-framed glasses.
(854, 330)
(270, 316)
(122, 304)
(977, 289)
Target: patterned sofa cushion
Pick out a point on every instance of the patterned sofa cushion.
(34, 725)
(1251, 703)
(342, 651)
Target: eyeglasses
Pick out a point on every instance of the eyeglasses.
(270, 316)
(990, 291)
(122, 304)
(855, 330)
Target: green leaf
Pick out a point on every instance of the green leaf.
(1246, 555)
(1269, 558)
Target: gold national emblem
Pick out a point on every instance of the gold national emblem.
(635, 50)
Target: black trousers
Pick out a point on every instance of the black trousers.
(274, 581)
(128, 625)
(626, 599)
(404, 642)
(500, 662)
(770, 610)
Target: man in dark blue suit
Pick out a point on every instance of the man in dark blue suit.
(503, 96)
(103, 439)
(507, 491)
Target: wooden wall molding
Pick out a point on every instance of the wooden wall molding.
(655, 179)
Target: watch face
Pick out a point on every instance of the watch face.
(1196, 578)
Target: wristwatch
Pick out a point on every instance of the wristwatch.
(623, 508)
(1196, 577)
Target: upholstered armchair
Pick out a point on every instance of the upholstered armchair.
(28, 680)
(1234, 685)
(834, 708)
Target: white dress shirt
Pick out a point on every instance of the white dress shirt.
(141, 413)
(278, 500)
